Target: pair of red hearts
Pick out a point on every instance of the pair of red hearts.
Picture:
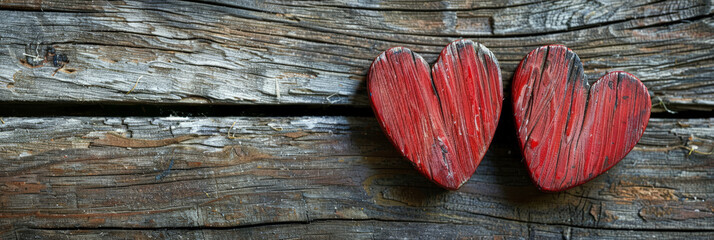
(444, 119)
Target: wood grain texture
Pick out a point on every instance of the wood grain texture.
(329, 177)
(363, 229)
(568, 131)
(443, 119)
(248, 52)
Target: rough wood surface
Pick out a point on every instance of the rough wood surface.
(327, 176)
(319, 52)
(364, 229)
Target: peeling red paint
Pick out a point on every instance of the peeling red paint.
(570, 132)
(442, 120)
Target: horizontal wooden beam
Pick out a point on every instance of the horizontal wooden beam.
(275, 174)
(319, 52)
(363, 229)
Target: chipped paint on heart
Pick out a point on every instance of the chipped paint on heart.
(441, 120)
(570, 132)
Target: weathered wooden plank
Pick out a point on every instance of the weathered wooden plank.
(319, 52)
(82, 173)
(362, 229)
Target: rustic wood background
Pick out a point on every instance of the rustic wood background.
(298, 154)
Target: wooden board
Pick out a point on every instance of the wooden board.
(327, 177)
(364, 229)
(318, 52)
(74, 166)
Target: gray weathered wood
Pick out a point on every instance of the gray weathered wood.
(328, 177)
(318, 52)
(109, 176)
(365, 229)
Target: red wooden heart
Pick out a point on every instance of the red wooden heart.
(568, 131)
(442, 121)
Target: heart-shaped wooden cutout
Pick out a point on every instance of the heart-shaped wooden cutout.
(442, 120)
(568, 131)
